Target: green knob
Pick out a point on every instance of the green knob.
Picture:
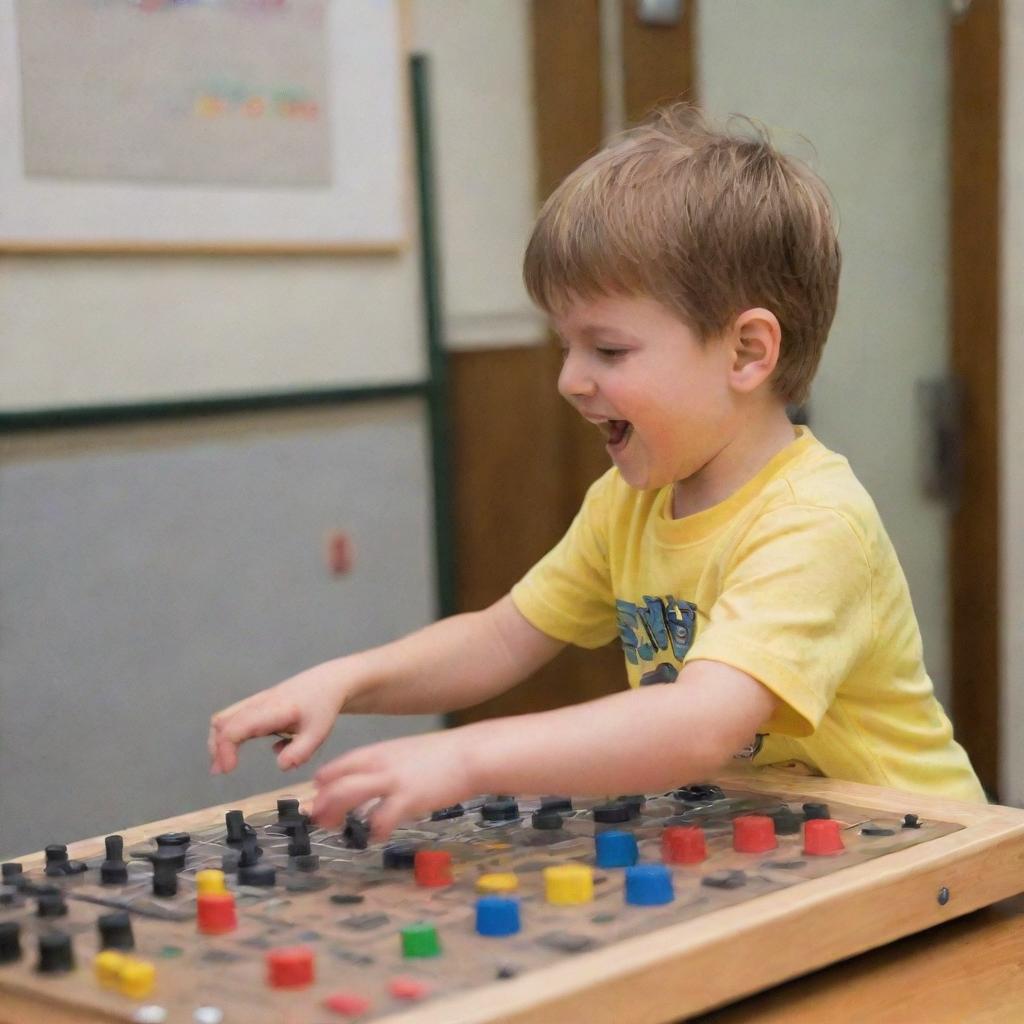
(420, 940)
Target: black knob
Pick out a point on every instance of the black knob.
(445, 813)
(10, 941)
(56, 860)
(812, 811)
(299, 844)
(306, 862)
(613, 811)
(500, 810)
(116, 930)
(356, 834)
(399, 855)
(236, 827)
(787, 822)
(165, 875)
(250, 852)
(555, 803)
(114, 870)
(11, 872)
(257, 874)
(635, 803)
(51, 904)
(287, 807)
(171, 846)
(55, 953)
(544, 819)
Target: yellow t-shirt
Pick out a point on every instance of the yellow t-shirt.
(791, 579)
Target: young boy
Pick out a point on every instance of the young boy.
(692, 277)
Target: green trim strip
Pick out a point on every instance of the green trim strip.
(99, 415)
(437, 391)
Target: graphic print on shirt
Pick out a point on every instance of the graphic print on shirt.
(659, 624)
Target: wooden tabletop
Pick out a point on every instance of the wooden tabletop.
(967, 971)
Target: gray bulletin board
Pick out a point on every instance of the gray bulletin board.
(151, 574)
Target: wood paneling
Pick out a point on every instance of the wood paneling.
(974, 541)
(510, 498)
(567, 86)
(658, 61)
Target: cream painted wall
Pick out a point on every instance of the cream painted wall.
(867, 84)
(486, 166)
(1012, 387)
(78, 331)
(81, 330)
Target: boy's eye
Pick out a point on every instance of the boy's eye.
(611, 353)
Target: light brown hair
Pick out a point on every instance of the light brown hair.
(707, 221)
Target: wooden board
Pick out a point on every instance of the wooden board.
(710, 946)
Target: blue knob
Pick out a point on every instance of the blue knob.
(615, 849)
(649, 885)
(497, 915)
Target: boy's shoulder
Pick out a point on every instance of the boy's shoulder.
(820, 478)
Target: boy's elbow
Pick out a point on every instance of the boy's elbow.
(734, 708)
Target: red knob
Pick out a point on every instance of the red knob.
(433, 868)
(683, 844)
(822, 838)
(753, 833)
(215, 913)
(290, 967)
(347, 1004)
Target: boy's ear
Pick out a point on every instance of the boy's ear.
(757, 339)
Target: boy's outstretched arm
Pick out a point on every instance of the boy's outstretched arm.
(452, 663)
(638, 741)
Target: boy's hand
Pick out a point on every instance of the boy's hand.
(304, 706)
(411, 776)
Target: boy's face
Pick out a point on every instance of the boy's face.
(660, 396)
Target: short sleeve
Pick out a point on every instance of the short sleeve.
(794, 611)
(568, 593)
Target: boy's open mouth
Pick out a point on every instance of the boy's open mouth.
(618, 433)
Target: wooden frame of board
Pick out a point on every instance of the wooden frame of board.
(715, 959)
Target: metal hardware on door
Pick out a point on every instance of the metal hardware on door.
(659, 12)
(940, 404)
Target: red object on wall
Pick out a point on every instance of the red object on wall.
(339, 553)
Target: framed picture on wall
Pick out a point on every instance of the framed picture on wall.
(234, 125)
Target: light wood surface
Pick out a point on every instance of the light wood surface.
(692, 967)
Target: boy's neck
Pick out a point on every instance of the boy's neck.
(740, 459)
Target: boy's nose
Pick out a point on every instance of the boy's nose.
(573, 380)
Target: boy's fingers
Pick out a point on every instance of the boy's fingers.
(298, 749)
(332, 802)
(257, 720)
(356, 760)
(233, 726)
(385, 818)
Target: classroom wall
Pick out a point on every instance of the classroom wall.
(149, 575)
(1012, 387)
(486, 164)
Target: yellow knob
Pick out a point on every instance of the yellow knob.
(210, 881)
(569, 883)
(136, 978)
(107, 966)
(497, 881)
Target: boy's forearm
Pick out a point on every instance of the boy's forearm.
(637, 741)
(453, 663)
